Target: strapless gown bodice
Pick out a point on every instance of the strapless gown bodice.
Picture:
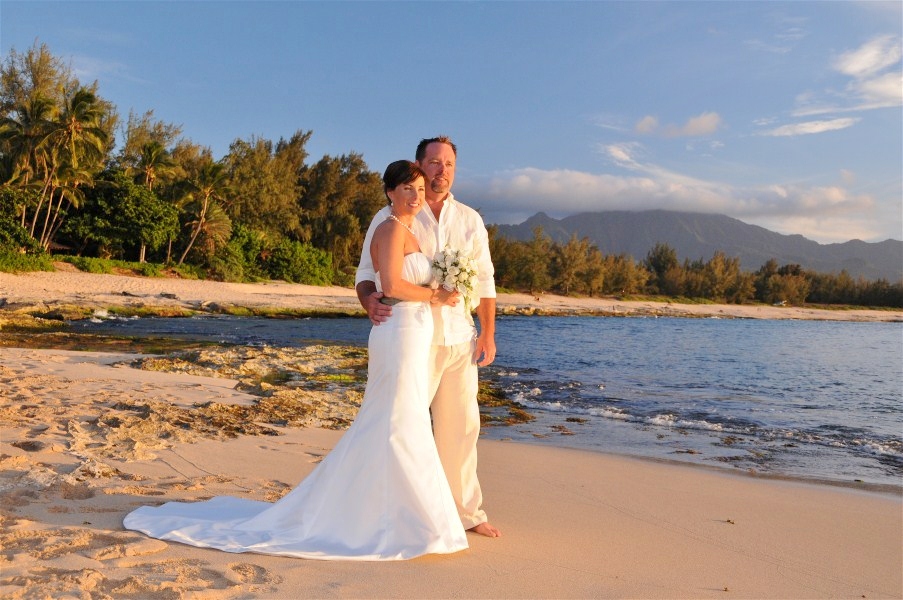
(416, 268)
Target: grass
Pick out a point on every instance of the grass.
(108, 266)
(11, 262)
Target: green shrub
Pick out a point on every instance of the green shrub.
(227, 264)
(16, 262)
(147, 269)
(251, 246)
(344, 279)
(189, 271)
(15, 239)
(89, 265)
(300, 263)
(105, 265)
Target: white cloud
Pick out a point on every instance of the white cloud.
(790, 30)
(810, 127)
(875, 80)
(791, 34)
(870, 58)
(647, 124)
(88, 69)
(768, 46)
(882, 91)
(824, 213)
(611, 122)
(705, 124)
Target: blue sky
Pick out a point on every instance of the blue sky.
(781, 114)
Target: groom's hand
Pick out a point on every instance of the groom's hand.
(485, 352)
(369, 299)
(376, 310)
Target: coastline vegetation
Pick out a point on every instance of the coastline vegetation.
(81, 185)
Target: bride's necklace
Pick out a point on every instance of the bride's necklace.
(394, 218)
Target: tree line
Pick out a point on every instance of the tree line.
(265, 211)
(578, 267)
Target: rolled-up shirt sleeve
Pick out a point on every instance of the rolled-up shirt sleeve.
(365, 270)
(485, 270)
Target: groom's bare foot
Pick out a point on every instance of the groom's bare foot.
(487, 530)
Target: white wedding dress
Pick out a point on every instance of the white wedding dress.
(380, 494)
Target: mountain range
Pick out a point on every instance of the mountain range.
(696, 236)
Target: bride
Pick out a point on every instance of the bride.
(381, 493)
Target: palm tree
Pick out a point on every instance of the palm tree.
(217, 229)
(208, 188)
(79, 132)
(74, 148)
(68, 187)
(155, 162)
(22, 138)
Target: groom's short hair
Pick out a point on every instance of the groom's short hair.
(441, 139)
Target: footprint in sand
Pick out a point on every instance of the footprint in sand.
(133, 490)
(275, 490)
(250, 573)
(119, 548)
(44, 544)
(75, 491)
(315, 457)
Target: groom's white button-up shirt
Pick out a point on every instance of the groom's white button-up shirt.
(460, 228)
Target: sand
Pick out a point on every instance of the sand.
(68, 286)
(85, 438)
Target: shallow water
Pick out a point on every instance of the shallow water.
(812, 399)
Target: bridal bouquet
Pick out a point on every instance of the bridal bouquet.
(455, 270)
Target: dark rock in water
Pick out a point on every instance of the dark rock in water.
(214, 307)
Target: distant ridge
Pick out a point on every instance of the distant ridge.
(698, 236)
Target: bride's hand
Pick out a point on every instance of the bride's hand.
(443, 296)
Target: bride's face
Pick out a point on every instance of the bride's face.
(408, 198)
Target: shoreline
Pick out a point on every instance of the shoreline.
(866, 487)
(249, 368)
(70, 293)
(85, 439)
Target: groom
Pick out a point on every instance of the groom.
(456, 349)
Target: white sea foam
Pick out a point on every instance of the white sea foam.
(673, 421)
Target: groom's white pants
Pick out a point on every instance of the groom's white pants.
(456, 425)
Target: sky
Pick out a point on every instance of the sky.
(786, 115)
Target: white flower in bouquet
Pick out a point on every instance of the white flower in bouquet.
(454, 270)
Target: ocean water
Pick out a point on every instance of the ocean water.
(803, 399)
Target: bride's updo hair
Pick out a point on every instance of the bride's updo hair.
(398, 173)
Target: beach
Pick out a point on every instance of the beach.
(69, 287)
(87, 437)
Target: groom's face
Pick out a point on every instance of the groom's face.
(439, 165)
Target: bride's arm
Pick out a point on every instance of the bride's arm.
(388, 250)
